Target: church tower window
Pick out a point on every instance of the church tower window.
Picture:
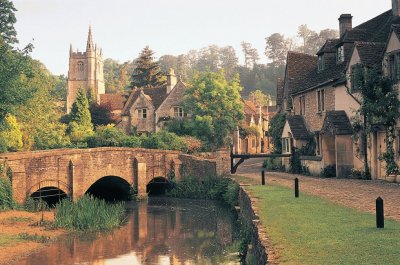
(80, 70)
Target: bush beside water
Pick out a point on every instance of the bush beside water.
(89, 214)
(211, 188)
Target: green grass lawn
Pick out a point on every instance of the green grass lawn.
(7, 240)
(310, 230)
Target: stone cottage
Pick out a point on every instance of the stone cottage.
(316, 93)
(148, 108)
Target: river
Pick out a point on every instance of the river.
(160, 231)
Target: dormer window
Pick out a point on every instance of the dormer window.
(178, 112)
(321, 63)
(340, 54)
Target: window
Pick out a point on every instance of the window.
(357, 77)
(178, 112)
(321, 100)
(81, 70)
(317, 144)
(321, 64)
(302, 102)
(142, 113)
(394, 66)
(340, 54)
(286, 145)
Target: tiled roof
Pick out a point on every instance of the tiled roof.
(116, 101)
(329, 46)
(154, 94)
(375, 30)
(371, 53)
(298, 127)
(337, 123)
(298, 66)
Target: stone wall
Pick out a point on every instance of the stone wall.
(259, 243)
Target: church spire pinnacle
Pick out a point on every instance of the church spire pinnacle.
(89, 45)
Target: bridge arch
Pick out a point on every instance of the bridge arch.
(50, 191)
(157, 186)
(111, 188)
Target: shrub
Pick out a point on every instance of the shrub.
(106, 135)
(273, 164)
(6, 198)
(328, 172)
(164, 140)
(35, 205)
(89, 214)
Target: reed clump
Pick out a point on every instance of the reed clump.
(89, 214)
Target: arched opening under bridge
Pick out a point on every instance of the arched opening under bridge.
(50, 195)
(157, 186)
(111, 188)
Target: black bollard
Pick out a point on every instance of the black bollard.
(380, 222)
(296, 187)
(263, 177)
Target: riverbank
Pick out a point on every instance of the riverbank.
(314, 230)
(20, 234)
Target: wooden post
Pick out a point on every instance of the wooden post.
(296, 187)
(263, 177)
(380, 222)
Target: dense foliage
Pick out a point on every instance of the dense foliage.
(80, 126)
(7, 21)
(275, 131)
(89, 214)
(379, 106)
(216, 107)
(146, 71)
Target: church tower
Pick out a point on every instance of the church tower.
(85, 72)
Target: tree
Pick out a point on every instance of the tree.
(80, 125)
(101, 114)
(251, 56)
(215, 105)
(146, 72)
(312, 41)
(275, 131)
(259, 98)
(7, 21)
(10, 134)
(277, 48)
(14, 64)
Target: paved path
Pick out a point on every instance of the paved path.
(358, 194)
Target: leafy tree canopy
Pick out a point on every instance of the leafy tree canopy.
(7, 21)
(216, 106)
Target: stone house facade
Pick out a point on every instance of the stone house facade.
(147, 109)
(316, 93)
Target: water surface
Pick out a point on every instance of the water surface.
(160, 231)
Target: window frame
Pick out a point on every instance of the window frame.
(178, 112)
(320, 100)
(394, 65)
(302, 104)
(340, 54)
(142, 113)
(286, 145)
(318, 146)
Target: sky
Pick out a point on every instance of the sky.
(122, 28)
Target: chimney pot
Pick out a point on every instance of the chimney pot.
(345, 23)
(396, 8)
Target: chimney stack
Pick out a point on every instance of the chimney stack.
(171, 80)
(345, 23)
(396, 8)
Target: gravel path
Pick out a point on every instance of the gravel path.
(358, 194)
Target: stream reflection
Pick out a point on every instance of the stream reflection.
(161, 231)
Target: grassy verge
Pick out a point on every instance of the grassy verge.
(9, 240)
(89, 214)
(310, 230)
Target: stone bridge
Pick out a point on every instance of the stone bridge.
(76, 171)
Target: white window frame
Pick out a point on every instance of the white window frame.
(142, 113)
(318, 146)
(320, 100)
(287, 145)
(178, 112)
